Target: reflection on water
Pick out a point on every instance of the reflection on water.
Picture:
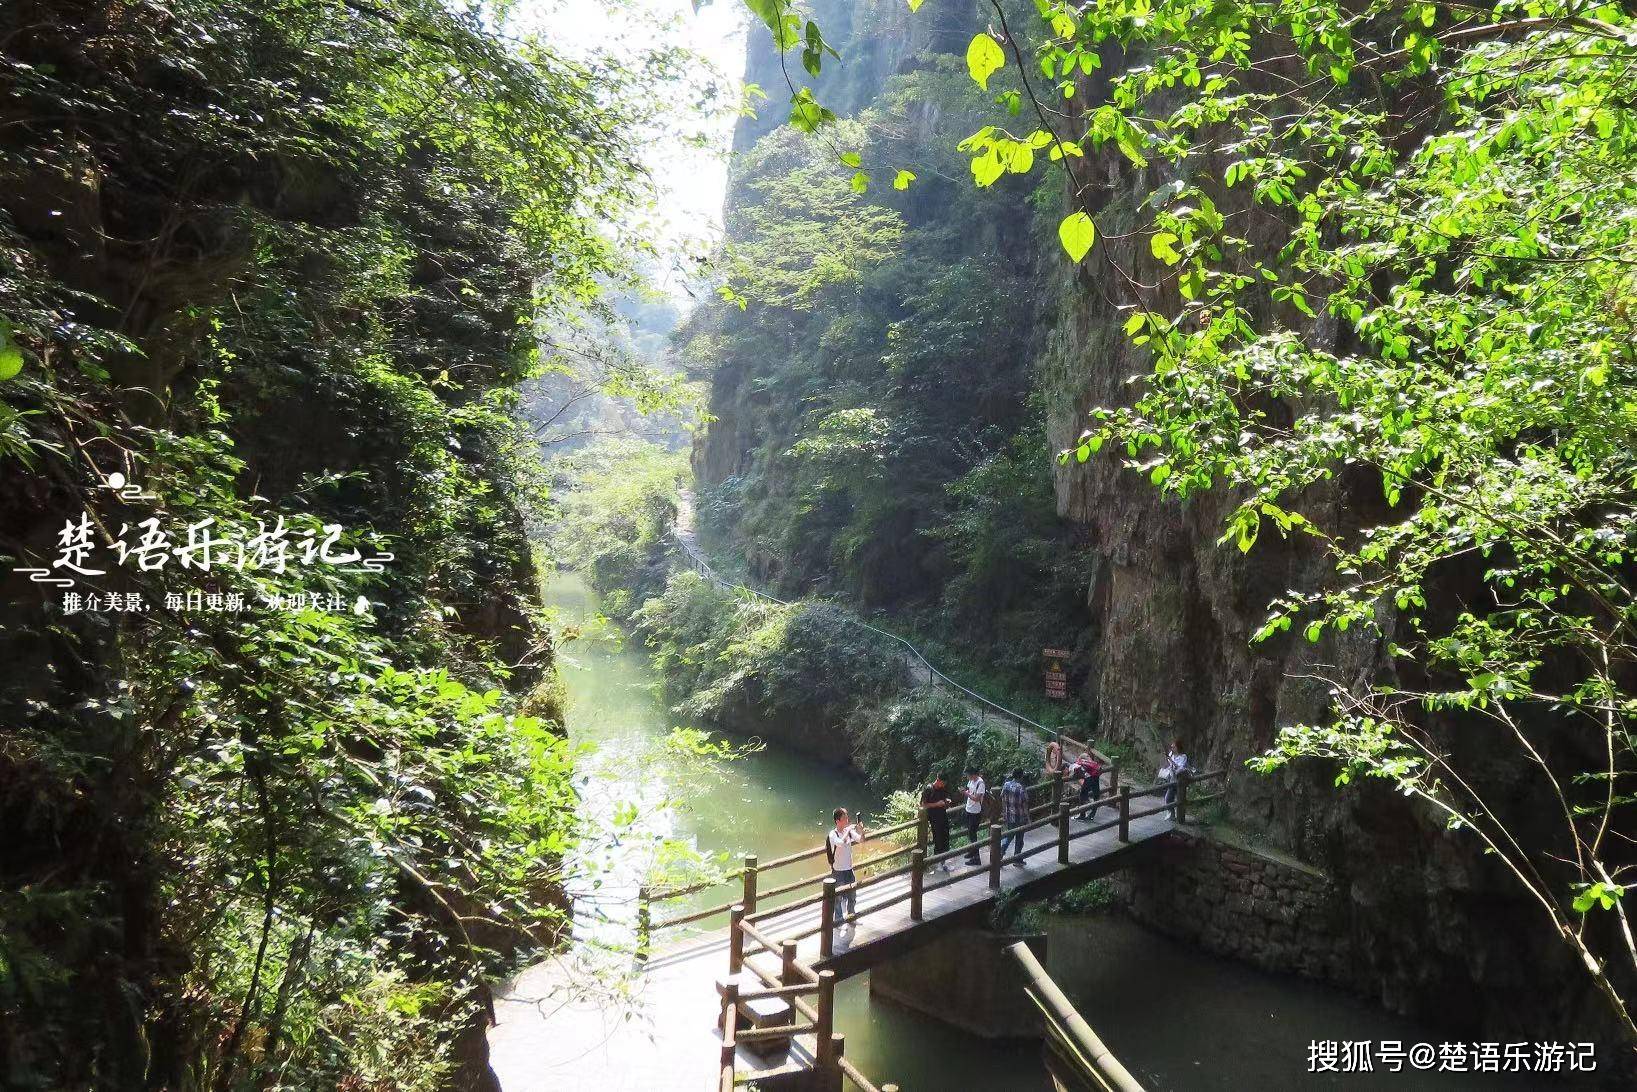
(1179, 1019)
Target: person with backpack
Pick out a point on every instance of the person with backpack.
(977, 795)
(838, 847)
(1014, 813)
(1089, 772)
(936, 800)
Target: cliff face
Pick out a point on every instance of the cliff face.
(875, 39)
(1420, 920)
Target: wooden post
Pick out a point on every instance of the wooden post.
(825, 1025)
(736, 938)
(921, 829)
(1063, 834)
(917, 864)
(645, 923)
(1113, 777)
(827, 922)
(750, 884)
(1125, 813)
(730, 1021)
(994, 855)
(787, 959)
(1057, 789)
(838, 1047)
(1182, 797)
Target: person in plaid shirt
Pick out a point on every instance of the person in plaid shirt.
(1014, 812)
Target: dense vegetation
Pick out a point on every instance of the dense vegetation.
(871, 369)
(1379, 248)
(806, 673)
(615, 503)
(809, 675)
(279, 261)
(290, 265)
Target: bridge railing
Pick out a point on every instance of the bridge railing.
(795, 981)
(754, 894)
(798, 981)
(752, 873)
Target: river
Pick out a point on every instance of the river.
(1229, 1027)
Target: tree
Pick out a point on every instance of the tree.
(281, 262)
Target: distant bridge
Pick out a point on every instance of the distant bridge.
(777, 992)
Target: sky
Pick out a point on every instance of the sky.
(691, 181)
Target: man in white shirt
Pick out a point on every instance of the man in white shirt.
(977, 795)
(838, 846)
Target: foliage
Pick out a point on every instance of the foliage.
(1451, 188)
(926, 732)
(813, 664)
(1096, 897)
(807, 234)
(864, 397)
(724, 649)
(280, 261)
(1389, 247)
(616, 500)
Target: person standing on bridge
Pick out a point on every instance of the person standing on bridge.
(838, 846)
(1176, 764)
(1090, 774)
(1014, 812)
(937, 801)
(977, 795)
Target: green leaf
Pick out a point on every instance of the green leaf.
(1192, 283)
(1077, 233)
(860, 181)
(987, 167)
(1163, 249)
(806, 114)
(915, 5)
(984, 58)
(852, 159)
(11, 362)
(903, 179)
(1599, 894)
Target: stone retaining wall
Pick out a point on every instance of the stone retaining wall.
(1235, 900)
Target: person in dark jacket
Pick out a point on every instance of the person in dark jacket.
(937, 800)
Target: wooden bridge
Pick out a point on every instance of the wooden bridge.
(777, 991)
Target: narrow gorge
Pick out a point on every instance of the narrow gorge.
(885, 432)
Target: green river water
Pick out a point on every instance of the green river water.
(1180, 1019)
